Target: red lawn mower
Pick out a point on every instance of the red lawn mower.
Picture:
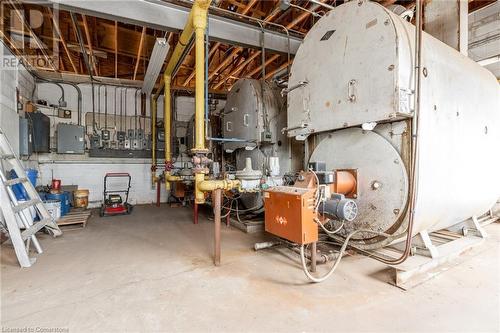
(113, 203)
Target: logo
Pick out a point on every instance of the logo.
(31, 33)
(281, 220)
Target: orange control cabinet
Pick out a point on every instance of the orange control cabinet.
(289, 213)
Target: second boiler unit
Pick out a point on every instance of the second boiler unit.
(258, 150)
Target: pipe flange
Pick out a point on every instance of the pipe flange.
(202, 151)
(201, 169)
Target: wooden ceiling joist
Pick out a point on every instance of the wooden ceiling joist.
(116, 48)
(63, 41)
(139, 52)
(236, 70)
(89, 43)
(119, 50)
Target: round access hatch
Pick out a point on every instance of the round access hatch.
(382, 179)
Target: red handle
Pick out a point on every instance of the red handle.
(117, 174)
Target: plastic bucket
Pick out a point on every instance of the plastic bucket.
(81, 198)
(18, 189)
(43, 195)
(31, 209)
(63, 198)
(32, 174)
(54, 208)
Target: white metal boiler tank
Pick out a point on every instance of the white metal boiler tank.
(355, 70)
(254, 116)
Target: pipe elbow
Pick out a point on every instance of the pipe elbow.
(200, 10)
(211, 185)
(173, 179)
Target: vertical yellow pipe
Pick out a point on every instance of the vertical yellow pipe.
(153, 139)
(167, 116)
(200, 88)
(200, 9)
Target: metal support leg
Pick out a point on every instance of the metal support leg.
(479, 229)
(313, 257)
(424, 237)
(195, 213)
(158, 187)
(217, 224)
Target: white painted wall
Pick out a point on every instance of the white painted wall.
(86, 172)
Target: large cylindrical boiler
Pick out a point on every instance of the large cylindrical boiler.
(254, 116)
(353, 102)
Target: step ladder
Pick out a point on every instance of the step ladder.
(18, 222)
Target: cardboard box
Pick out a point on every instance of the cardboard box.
(29, 107)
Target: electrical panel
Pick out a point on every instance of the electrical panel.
(70, 139)
(25, 137)
(41, 132)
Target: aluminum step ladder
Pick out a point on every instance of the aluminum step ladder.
(18, 222)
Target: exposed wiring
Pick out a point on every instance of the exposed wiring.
(318, 190)
(337, 260)
(329, 232)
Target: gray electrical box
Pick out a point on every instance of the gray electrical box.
(70, 139)
(25, 137)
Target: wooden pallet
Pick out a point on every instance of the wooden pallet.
(77, 216)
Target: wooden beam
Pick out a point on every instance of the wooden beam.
(239, 68)
(139, 52)
(55, 24)
(223, 63)
(258, 69)
(89, 43)
(210, 54)
(283, 66)
(102, 48)
(478, 4)
(292, 24)
(116, 49)
(246, 8)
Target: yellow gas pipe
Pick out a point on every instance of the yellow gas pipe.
(153, 138)
(196, 24)
(177, 54)
(167, 116)
(200, 9)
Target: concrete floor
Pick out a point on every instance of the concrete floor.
(152, 271)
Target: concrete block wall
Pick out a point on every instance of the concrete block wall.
(12, 75)
(91, 175)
